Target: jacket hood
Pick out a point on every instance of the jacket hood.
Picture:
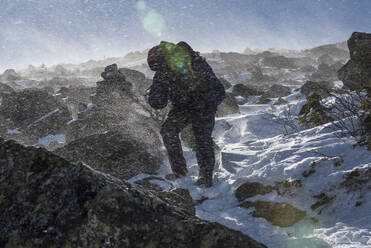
(155, 58)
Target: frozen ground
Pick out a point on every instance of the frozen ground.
(255, 150)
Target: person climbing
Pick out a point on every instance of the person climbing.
(185, 78)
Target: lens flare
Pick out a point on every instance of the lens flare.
(152, 21)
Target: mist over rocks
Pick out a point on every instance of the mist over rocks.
(34, 113)
(113, 152)
(115, 106)
(10, 75)
(108, 131)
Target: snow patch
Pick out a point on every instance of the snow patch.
(45, 141)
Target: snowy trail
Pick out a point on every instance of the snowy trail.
(255, 150)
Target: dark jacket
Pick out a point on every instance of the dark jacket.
(180, 90)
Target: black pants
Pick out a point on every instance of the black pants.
(202, 125)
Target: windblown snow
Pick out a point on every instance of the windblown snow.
(256, 150)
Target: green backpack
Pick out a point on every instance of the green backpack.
(176, 57)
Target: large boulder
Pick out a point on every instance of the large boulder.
(279, 62)
(138, 80)
(276, 91)
(45, 201)
(245, 90)
(250, 189)
(34, 113)
(278, 213)
(322, 88)
(116, 107)
(356, 73)
(112, 152)
(77, 98)
(10, 75)
(360, 48)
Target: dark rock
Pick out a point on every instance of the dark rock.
(77, 98)
(249, 189)
(116, 107)
(245, 90)
(113, 153)
(264, 100)
(280, 101)
(337, 51)
(225, 83)
(228, 106)
(322, 88)
(276, 91)
(35, 113)
(356, 73)
(360, 48)
(279, 62)
(46, 201)
(5, 90)
(10, 75)
(111, 72)
(277, 213)
(326, 59)
(177, 196)
(137, 79)
(324, 72)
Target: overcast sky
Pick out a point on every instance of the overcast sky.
(53, 31)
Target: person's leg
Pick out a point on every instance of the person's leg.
(203, 125)
(175, 122)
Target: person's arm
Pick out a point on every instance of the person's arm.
(159, 91)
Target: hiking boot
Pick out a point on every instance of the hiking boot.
(204, 182)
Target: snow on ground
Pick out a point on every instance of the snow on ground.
(47, 140)
(255, 150)
(14, 131)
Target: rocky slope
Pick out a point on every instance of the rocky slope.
(45, 201)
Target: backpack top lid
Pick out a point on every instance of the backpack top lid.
(155, 58)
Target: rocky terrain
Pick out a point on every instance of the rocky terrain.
(46, 201)
(83, 165)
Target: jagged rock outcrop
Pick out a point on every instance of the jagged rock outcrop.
(77, 98)
(10, 75)
(178, 197)
(137, 79)
(116, 107)
(323, 88)
(113, 153)
(34, 113)
(356, 73)
(45, 201)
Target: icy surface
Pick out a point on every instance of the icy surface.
(256, 150)
(14, 131)
(47, 140)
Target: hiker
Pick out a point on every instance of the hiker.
(184, 77)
